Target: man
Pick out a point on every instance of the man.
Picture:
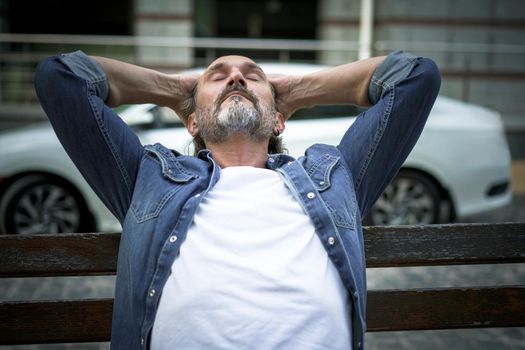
(238, 247)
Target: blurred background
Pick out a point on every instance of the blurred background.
(479, 46)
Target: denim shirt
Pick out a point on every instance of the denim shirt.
(155, 191)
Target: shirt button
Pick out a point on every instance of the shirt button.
(321, 183)
(270, 160)
(310, 195)
(331, 240)
(356, 295)
(359, 345)
(141, 341)
(173, 239)
(197, 195)
(152, 292)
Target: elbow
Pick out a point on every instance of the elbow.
(45, 78)
(430, 76)
(44, 73)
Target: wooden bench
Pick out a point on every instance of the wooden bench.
(61, 321)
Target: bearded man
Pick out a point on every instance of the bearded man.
(239, 246)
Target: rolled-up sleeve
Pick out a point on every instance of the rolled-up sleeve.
(402, 89)
(86, 68)
(393, 69)
(72, 89)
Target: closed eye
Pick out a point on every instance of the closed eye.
(217, 77)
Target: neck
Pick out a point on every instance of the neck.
(238, 151)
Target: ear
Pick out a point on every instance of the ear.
(192, 126)
(280, 119)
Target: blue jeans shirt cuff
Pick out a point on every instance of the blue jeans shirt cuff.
(88, 69)
(393, 69)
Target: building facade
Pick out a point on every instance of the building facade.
(479, 45)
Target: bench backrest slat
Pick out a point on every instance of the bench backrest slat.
(445, 244)
(59, 255)
(40, 322)
(59, 321)
(395, 310)
(95, 253)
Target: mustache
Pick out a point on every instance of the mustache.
(236, 88)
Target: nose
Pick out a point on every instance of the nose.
(236, 77)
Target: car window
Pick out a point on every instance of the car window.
(120, 109)
(168, 116)
(159, 117)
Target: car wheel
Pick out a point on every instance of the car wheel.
(38, 204)
(411, 198)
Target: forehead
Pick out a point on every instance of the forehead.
(226, 62)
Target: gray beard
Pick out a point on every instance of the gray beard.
(238, 119)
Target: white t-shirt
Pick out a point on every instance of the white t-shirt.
(252, 274)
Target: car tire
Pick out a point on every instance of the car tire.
(412, 198)
(38, 204)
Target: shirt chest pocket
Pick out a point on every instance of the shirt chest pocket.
(156, 185)
(336, 189)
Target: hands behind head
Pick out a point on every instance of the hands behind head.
(184, 87)
(285, 88)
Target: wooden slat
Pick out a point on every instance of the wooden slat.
(446, 308)
(95, 254)
(58, 255)
(445, 244)
(39, 322)
(391, 310)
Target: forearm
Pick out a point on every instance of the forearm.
(344, 84)
(132, 84)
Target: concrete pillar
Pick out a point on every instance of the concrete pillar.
(339, 21)
(164, 19)
(366, 29)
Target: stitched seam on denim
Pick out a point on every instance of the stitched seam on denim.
(181, 170)
(289, 183)
(146, 323)
(323, 203)
(381, 83)
(97, 79)
(105, 135)
(340, 220)
(172, 162)
(411, 63)
(328, 172)
(155, 159)
(156, 280)
(350, 185)
(347, 257)
(158, 208)
(94, 79)
(320, 161)
(377, 138)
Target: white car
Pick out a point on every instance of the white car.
(459, 167)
